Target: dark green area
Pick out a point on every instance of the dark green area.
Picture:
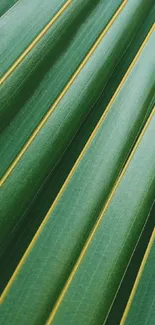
(5, 5)
(123, 294)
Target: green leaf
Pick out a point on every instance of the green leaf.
(123, 294)
(58, 242)
(95, 278)
(63, 100)
(18, 241)
(22, 81)
(25, 178)
(140, 308)
(39, 97)
(26, 20)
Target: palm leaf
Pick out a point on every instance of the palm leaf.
(21, 236)
(86, 205)
(36, 14)
(47, 46)
(100, 245)
(141, 306)
(56, 130)
(13, 138)
(94, 280)
(127, 283)
(77, 158)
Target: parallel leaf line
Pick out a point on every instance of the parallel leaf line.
(133, 252)
(139, 275)
(34, 42)
(91, 236)
(41, 124)
(41, 227)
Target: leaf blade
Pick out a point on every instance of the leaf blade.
(19, 240)
(92, 287)
(141, 301)
(50, 142)
(69, 235)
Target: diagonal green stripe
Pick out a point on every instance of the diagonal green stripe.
(48, 262)
(25, 230)
(140, 309)
(93, 283)
(5, 5)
